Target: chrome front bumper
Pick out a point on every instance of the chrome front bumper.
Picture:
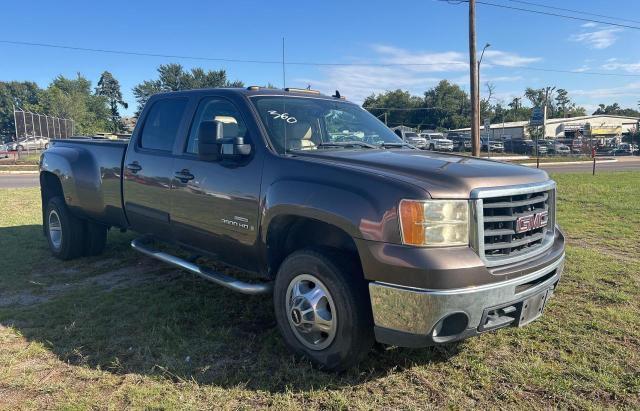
(416, 311)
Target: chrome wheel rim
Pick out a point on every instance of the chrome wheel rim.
(311, 312)
(55, 229)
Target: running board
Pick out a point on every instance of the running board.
(139, 244)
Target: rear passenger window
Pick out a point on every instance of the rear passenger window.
(161, 125)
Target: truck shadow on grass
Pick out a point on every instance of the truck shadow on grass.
(124, 313)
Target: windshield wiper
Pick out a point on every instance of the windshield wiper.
(346, 144)
(390, 145)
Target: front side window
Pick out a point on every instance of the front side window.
(300, 123)
(216, 109)
(161, 125)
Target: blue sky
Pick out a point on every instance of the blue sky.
(425, 31)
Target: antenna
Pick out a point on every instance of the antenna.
(284, 103)
(284, 76)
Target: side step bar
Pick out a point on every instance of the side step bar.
(140, 244)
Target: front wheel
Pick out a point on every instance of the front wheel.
(322, 308)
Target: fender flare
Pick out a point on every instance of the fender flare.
(318, 201)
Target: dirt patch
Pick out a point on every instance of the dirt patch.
(145, 271)
(24, 298)
(623, 255)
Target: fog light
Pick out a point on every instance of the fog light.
(450, 327)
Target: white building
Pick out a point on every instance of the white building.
(603, 127)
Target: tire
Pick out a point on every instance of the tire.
(346, 304)
(95, 238)
(58, 220)
(46, 146)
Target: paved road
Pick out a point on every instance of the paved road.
(627, 164)
(18, 180)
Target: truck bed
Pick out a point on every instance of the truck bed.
(93, 166)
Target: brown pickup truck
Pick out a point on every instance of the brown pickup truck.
(358, 235)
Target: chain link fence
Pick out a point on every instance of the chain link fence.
(34, 131)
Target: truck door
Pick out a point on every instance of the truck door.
(148, 167)
(215, 203)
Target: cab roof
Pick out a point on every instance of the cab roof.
(259, 91)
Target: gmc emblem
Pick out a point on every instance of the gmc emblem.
(532, 221)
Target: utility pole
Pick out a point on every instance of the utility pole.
(475, 90)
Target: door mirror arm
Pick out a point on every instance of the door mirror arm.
(234, 148)
(212, 146)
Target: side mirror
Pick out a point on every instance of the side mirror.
(235, 147)
(209, 135)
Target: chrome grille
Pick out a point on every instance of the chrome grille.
(498, 209)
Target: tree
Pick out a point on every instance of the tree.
(450, 106)
(616, 110)
(73, 99)
(109, 87)
(173, 77)
(22, 95)
(562, 102)
(397, 99)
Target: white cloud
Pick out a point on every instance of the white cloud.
(417, 75)
(358, 82)
(614, 64)
(425, 62)
(628, 90)
(590, 24)
(503, 58)
(597, 39)
(582, 69)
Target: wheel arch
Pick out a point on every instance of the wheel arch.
(50, 187)
(288, 233)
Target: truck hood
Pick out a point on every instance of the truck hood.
(441, 175)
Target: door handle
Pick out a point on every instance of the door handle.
(184, 175)
(134, 167)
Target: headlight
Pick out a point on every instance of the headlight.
(434, 223)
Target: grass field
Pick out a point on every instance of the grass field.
(123, 331)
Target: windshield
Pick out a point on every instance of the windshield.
(299, 123)
(411, 135)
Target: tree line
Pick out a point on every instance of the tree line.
(98, 109)
(445, 106)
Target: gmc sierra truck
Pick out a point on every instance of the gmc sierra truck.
(359, 236)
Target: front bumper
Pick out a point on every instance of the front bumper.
(412, 317)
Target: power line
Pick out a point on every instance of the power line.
(573, 11)
(547, 13)
(306, 63)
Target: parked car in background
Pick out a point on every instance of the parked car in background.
(526, 147)
(460, 142)
(29, 143)
(411, 137)
(415, 139)
(574, 144)
(494, 146)
(624, 149)
(4, 151)
(543, 148)
(558, 148)
(437, 142)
